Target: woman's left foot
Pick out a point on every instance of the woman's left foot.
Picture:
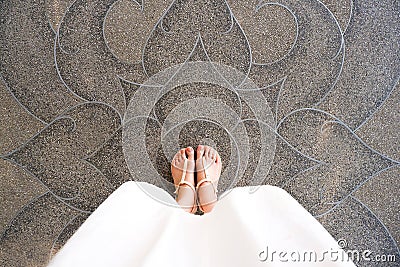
(208, 169)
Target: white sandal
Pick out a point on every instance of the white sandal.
(183, 182)
(207, 179)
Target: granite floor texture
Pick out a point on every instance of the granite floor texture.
(301, 94)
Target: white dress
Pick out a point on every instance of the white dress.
(265, 228)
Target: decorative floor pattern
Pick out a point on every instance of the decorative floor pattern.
(301, 94)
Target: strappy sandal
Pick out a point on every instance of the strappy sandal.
(183, 182)
(206, 179)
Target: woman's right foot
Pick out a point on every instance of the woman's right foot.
(208, 166)
(184, 178)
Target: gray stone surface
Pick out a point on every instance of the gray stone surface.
(383, 129)
(17, 189)
(301, 94)
(20, 124)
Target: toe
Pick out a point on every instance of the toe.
(175, 159)
(200, 151)
(207, 151)
(176, 162)
(213, 155)
(190, 153)
(218, 160)
(183, 153)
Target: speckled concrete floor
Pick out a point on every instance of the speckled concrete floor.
(305, 93)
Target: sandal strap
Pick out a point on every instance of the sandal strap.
(184, 170)
(183, 183)
(197, 192)
(206, 179)
(194, 193)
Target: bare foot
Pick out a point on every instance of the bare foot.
(208, 164)
(186, 196)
